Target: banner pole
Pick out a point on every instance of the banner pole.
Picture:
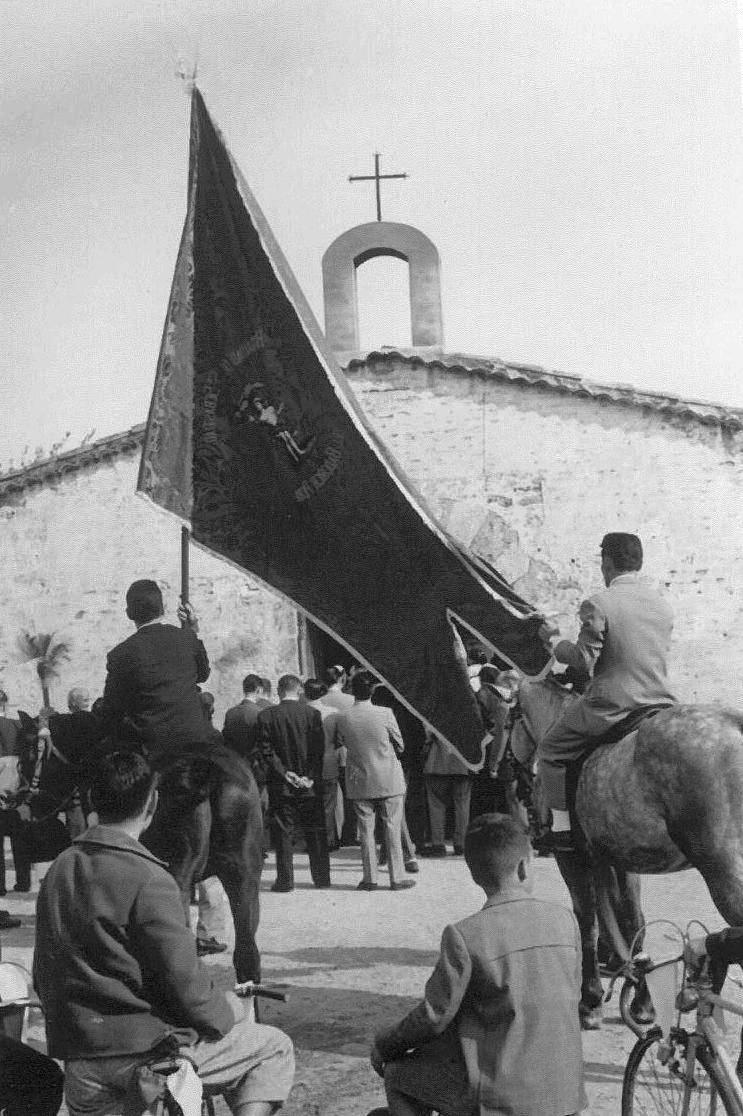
(185, 554)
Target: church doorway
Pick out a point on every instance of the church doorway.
(318, 651)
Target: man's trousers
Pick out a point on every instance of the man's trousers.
(289, 814)
(440, 789)
(390, 810)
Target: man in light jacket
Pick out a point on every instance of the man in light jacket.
(374, 779)
(623, 646)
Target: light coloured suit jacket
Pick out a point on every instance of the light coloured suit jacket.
(508, 980)
(624, 639)
(372, 738)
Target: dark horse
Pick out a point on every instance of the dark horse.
(208, 821)
(668, 796)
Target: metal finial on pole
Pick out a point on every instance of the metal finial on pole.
(376, 178)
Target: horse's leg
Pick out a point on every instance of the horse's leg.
(576, 872)
(181, 837)
(620, 922)
(236, 858)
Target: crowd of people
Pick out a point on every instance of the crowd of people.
(338, 761)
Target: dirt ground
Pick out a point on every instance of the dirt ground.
(353, 961)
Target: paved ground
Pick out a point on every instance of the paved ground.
(353, 961)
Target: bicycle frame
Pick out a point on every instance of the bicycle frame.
(707, 1030)
(696, 993)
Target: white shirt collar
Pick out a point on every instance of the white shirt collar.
(628, 575)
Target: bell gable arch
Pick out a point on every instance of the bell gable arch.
(366, 242)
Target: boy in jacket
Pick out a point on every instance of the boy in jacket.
(116, 969)
(497, 1033)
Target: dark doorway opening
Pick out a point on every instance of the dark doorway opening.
(321, 651)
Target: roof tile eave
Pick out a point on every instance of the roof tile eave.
(531, 375)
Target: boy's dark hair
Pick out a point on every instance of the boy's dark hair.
(252, 683)
(314, 689)
(266, 685)
(288, 683)
(494, 844)
(144, 601)
(624, 550)
(362, 685)
(120, 786)
(489, 674)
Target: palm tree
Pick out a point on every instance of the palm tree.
(48, 655)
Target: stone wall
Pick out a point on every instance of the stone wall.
(529, 477)
(71, 548)
(532, 479)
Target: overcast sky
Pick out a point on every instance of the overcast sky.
(577, 163)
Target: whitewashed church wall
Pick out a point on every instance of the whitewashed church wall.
(70, 550)
(533, 479)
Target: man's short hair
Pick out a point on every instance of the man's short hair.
(314, 689)
(266, 685)
(624, 550)
(334, 674)
(78, 700)
(489, 674)
(288, 684)
(252, 683)
(362, 685)
(120, 786)
(494, 845)
(144, 601)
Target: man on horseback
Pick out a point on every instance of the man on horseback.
(623, 647)
(151, 694)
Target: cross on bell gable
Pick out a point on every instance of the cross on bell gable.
(376, 178)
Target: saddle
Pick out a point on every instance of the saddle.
(629, 724)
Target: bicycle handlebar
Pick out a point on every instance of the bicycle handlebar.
(251, 988)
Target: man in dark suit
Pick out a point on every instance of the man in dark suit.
(151, 693)
(240, 731)
(292, 744)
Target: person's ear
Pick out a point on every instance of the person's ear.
(523, 871)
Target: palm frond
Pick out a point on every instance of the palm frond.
(40, 647)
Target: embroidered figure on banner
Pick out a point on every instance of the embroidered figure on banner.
(256, 405)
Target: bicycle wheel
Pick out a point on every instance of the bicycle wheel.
(654, 1081)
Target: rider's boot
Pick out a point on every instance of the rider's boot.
(559, 839)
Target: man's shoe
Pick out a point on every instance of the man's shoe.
(206, 946)
(282, 887)
(412, 867)
(560, 842)
(23, 886)
(8, 923)
(366, 885)
(459, 850)
(431, 851)
(402, 885)
(323, 886)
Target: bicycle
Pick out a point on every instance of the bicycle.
(16, 1000)
(673, 1068)
(163, 1067)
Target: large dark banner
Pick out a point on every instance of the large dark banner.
(254, 436)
